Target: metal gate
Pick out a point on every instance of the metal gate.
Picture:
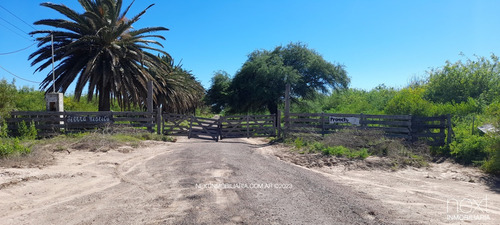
(204, 128)
(224, 127)
(248, 126)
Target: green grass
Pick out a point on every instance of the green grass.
(339, 151)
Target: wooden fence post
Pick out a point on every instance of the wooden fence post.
(278, 123)
(248, 126)
(150, 103)
(362, 120)
(219, 127)
(410, 132)
(322, 124)
(158, 121)
(190, 126)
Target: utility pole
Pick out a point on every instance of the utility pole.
(150, 102)
(53, 71)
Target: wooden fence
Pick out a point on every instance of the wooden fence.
(434, 130)
(175, 124)
(431, 129)
(224, 127)
(56, 122)
(204, 128)
(248, 126)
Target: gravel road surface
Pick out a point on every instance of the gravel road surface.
(188, 182)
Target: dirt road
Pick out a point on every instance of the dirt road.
(192, 181)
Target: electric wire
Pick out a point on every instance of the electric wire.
(17, 17)
(36, 82)
(15, 32)
(12, 52)
(8, 53)
(14, 26)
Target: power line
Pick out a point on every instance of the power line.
(14, 26)
(8, 53)
(36, 82)
(17, 17)
(15, 32)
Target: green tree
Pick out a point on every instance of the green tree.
(409, 101)
(260, 83)
(359, 101)
(217, 96)
(8, 94)
(100, 50)
(478, 79)
(29, 99)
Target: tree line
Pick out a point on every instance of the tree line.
(468, 89)
(101, 52)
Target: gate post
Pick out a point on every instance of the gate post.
(150, 105)
(277, 124)
(220, 127)
(158, 121)
(190, 126)
(248, 126)
(322, 124)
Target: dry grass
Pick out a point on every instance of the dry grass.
(38, 157)
(390, 153)
(42, 151)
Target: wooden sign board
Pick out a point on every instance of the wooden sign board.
(88, 119)
(337, 120)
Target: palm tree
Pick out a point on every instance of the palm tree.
(101, 51)
(180, 92)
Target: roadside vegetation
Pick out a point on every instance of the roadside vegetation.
(357, 144)
(468, 89)
(26, 150)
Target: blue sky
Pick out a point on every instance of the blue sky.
(379, 42)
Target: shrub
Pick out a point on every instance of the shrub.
(3, 130)
(338, 150)
(341, 151)
(12, 147)
(409, 101)
(299, 143)
(468, 148)
(492, 164)
(456, 82)
(362, 153)
(25, 132)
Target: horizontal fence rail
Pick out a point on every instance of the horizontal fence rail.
(223, 127)
(175, 124)
(204, 128)
(57, 122)
(430, 129)
(248, 126)
(435, 131)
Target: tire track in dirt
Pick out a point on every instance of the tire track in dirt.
(164, 184)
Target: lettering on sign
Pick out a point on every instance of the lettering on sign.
(89, 119)
(337, 120)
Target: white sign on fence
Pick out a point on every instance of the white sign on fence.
(351, 120)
